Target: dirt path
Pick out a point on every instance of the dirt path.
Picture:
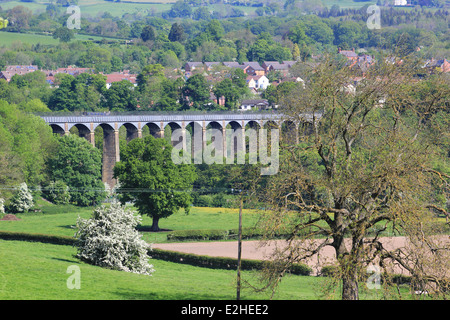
(253, 250)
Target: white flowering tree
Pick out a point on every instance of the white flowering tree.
(110, 239)
(22, 201)
(2, 207)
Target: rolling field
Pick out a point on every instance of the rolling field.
(37, 271)
(94, 7)
(144, 7)
(9, 38)
(31, 270)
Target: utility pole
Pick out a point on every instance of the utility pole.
(241, 203)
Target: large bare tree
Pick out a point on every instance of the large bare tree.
(372, 156)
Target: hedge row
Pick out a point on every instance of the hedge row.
(192, 259)
(220, 262)
(232, 234)
(37, 237)
(187, 258)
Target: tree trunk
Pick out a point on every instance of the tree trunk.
(350, 286)
(155, 226)
(349, 272)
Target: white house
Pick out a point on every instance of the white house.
(254, 104)
(400, 3)
(258, 82)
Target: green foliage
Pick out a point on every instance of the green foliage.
(148, 33)
(176, 33)
(222, 262)
(78, 164)
(37, 237)
(56, 192)
(120, 97)
(156, 185)
(64, 34)
(82, 93)
(25, 143)
(195, 92)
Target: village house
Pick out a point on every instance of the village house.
(253, 68)
(258, 82)
(249, 104)
(282, 67)
(12, 70)
(351, 55)
(210, 65)
(74, 71)
(189, 67)
(119, 76)
(231, 64)
(441, 65)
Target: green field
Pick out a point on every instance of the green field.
(61, 221)
(9, 38)
(94, 7)
(31, 270)
(37, 271)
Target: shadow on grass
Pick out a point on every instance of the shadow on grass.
(148, 229)
(66, 260)
(134, 295)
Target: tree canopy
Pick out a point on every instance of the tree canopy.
(148, 177)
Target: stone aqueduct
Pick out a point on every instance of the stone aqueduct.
(134, 124)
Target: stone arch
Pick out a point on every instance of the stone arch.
(83, 131)
(169, 128)
(289, 132)
(194, 139)
(252, 124)
(153, 129)
(271, 124)
(213, 125)
(57, 129)
(234, 144)
(132, 132)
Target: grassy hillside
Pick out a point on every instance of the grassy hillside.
(38, 271)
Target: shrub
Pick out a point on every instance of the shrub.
(182, 235)
(221, 262)
(22, 201)
(56, 192)
(203, 200)
(110, 239)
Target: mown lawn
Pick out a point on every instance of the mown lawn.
(38, 271)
